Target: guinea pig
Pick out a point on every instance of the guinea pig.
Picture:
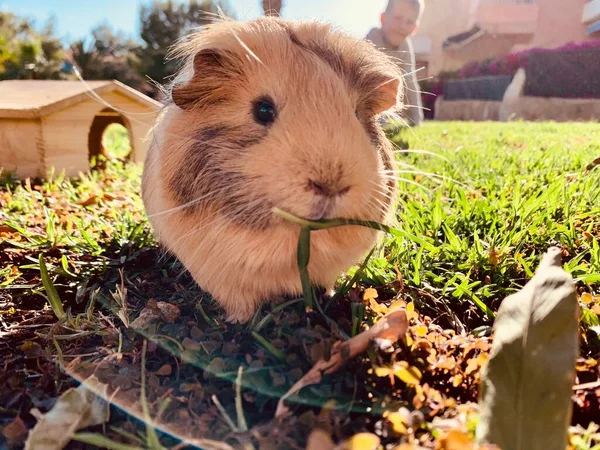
(262, 114)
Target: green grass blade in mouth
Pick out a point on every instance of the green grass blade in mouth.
(303, 258)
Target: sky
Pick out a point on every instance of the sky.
(75, 18)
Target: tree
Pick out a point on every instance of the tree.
(163, 23)
(27, 53)
(108, 55)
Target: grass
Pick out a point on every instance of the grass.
(509, 192)
(481, 203)
(116, 140)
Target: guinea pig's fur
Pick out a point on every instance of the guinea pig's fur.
(214, 172)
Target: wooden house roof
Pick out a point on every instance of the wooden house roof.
(30, 99)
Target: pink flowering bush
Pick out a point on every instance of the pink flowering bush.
(571, 70)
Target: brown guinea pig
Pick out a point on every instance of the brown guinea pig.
(270, 113)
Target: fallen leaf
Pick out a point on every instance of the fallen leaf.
(89, 201)
(455, 440)
(409, 374)
(493, 258)
(169, 313)
(164, 370)
(594, 163)
(587, 298)
(15, 430)
(457, 380)
(534, 352)
(379, 308)
(362, 441)
(370, 294)
(319, 440)
(399, 421)
(421, 330)
(75, 409)
(410, 311)
(392, 327)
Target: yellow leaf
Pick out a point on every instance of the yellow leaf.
(378, 308)
(587, 298)
(456, 440)
(27, 345)
(398, 304)
(421, 330)
(362, 441)
(493, 257)
(410, 311)
(383, 371)
(472, 366)
(370, 294)
(398, 422)
(457, 381)
(410, 375)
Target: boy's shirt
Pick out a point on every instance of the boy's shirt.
(405, 57)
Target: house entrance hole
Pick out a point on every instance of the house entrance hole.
(109, 137)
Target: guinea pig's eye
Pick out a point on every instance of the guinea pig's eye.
(264, 112)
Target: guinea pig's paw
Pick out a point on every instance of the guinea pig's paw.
(239, 315)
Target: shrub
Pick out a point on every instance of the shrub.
(569, 71)
(573, 71)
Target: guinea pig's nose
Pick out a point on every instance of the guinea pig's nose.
(325, 189)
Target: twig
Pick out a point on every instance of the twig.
(391, 327)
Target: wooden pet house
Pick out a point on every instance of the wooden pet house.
(59, 124)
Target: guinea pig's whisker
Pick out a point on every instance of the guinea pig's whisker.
(244, 46)
(398, 178)
(185, 205)
(422, 152)
(433, 175)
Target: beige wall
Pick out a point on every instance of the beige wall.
(522, 108)
(66, 132)
(507, 18)
(549, 23)
(559, 22)
(21, 147)
(442, 18)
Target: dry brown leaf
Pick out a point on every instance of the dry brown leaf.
(391, 327)
(75, 409)
(319, 440)
(165, 370)
(15, 430)
(89, 201)
(593, 164)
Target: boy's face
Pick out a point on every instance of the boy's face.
(272, 7)
(399, 23)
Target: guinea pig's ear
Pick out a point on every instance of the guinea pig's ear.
(387, 95)
(209, 84)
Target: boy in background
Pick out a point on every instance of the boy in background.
(272, 7)
(399, 22)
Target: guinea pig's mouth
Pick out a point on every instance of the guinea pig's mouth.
(322, 208)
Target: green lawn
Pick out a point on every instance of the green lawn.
(480, 204)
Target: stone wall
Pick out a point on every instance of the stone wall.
(468, 110)
(516, 106)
